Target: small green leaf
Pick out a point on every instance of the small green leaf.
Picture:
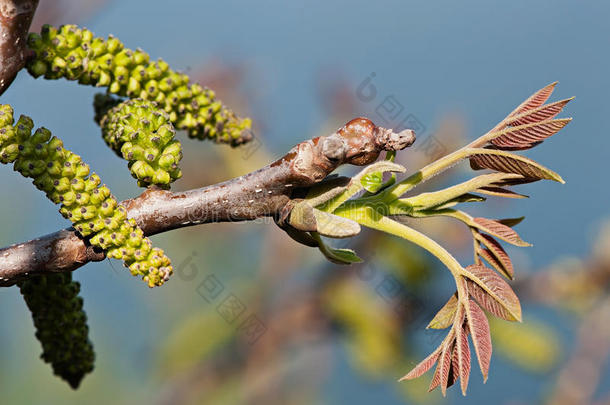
(345, 256)
(445, 316)
(337, 256)
(372, 182)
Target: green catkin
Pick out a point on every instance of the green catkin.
(61, 324)
(143, 135)
(75, 54)
(93, 211)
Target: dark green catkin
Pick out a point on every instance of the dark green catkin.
(61, 324)
(94, 212)
(144, 136)
(75, 54)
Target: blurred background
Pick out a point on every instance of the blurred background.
(310, 332)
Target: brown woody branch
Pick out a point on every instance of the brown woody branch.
(266, 192)
(15, 19)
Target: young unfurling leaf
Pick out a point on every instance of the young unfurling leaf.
(500, 192)
(372, 182)
(443, 368)
(499, 230)
(425, 365)
(544, 112)
(510, 221)
(528, 135)
(535, 100)
(479, 333)
(507, 162)
(444, 317)
(515, 181)
(495, 255)
(462, 356)
(493, 293)
(492, 260)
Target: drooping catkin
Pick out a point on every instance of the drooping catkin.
(61, 324)
(75, 54)
(91, 208)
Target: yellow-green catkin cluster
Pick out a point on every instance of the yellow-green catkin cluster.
(144, 136)
(94, 212)
(75, 54)
(61, 324)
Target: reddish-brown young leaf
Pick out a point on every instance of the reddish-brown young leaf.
(490, 258)
(510, 221)
(462, 357)
(425, 365)
(436, 378)
(479, 333)
(499, 230)
(514, 181)
(445, 316)
(445, 360)
(499, 192)
(528, 135)
(535, 100)
(454, 373)
(544, 112)
(497, 254)
(506, 162)
(493, 293)
(441, 374)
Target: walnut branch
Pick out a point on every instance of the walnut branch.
(15, 19)
(262, 193)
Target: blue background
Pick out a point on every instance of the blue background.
(475, 58)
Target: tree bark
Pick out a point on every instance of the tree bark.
(15, 19)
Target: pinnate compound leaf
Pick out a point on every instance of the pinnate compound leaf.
(544, 112)
(425, 365)
(445, 316)
(528, 135)
(506, 162)
(480, 335)
(493, 293)
(496, 255)
(499, 230)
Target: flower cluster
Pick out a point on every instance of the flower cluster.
(137, 131)
(93, 210)
(61, 324)
(75, 54)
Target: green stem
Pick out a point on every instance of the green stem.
(425, 173)
(432, 199)
(368, 217)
